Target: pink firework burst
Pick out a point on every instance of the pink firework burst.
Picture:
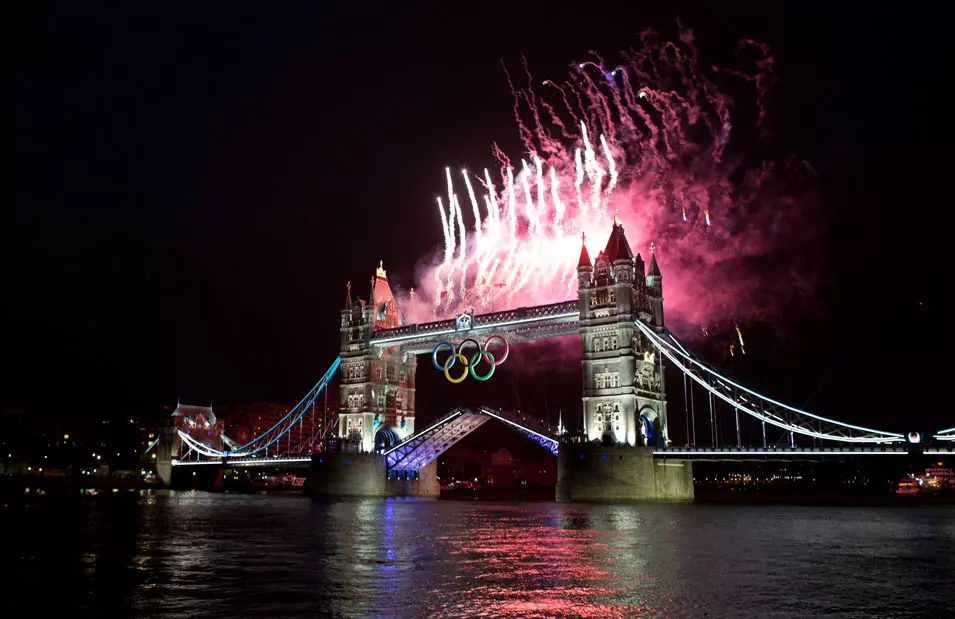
(647, 140)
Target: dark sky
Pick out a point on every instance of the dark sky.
(193, 183)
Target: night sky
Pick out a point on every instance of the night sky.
(192, 185)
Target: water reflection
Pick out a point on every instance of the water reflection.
(175, 554)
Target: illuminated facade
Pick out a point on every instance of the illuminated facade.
(376, 392)
(623, 389)
(200, 423)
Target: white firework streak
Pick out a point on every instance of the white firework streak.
(555, 196)
(579, 180)
(493, 213)
(511, 221)
(540, 189)
(480, 252)
(611, 165)
(474, 208)
(462, 249)
(511, 208)
(531, 214)
(447, 226)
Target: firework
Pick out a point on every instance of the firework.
(646, 140)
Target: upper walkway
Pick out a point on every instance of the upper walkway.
(526, 323)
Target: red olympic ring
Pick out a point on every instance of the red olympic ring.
(507, 347)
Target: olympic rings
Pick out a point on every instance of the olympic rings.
(469, 364)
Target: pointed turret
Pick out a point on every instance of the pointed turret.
(585, 276)
(617, 246)
(654, 269)
(584, 260)
(386, 314)
(655, 289)
(348, 302)
(639, 266)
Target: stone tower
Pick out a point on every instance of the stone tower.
(376, 388)
(623, 390)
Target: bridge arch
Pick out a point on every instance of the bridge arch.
(386, 438)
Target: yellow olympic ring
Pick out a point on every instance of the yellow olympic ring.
(447, 366)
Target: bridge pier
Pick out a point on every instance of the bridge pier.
(164, 452)
(365, 475)
(598, 474)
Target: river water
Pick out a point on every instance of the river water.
(195, 554)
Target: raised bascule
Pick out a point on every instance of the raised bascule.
(625, 452)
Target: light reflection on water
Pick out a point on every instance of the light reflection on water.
(188, 554)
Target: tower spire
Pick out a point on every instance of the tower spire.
(584, 260)
(348, 302)
(616, 216)
(654, 269)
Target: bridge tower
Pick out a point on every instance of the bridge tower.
(624, 401)
(376, 388)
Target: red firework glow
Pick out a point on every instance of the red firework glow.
(648, 141)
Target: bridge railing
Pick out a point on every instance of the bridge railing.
(542, 436)
(767, 410)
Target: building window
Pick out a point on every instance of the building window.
(378, 372)
(613, 342)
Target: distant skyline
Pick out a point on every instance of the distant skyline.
(191, 189)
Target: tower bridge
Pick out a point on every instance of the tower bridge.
(625, 452)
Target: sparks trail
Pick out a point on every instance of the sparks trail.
(650, 139)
